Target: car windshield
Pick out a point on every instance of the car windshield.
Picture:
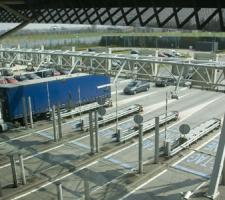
(132, 84)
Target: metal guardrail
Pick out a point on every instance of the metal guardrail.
(194, 135)
(83, 109)
(127, 134)
(112, 116)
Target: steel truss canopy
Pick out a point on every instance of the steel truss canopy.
(122, 57)
(185, 14)
(201, 73)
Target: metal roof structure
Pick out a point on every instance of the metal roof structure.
(135, 57)
(197, 14)
(207, 72)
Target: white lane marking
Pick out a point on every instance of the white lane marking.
(182, 159)
(162, 103)
(192, 171)
(51, 182)
(16, 138)
(163, 172)
(139, 187)
(193, 110)
(124, 101)
(142, 185)
(184, 116)
(35, 155)
(198, 107)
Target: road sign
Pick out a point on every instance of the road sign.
(138, 119)
(101, 111)
(184, 129)
(101, 101)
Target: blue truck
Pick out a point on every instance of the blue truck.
(74, 90)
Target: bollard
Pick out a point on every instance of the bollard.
(13, 167)
(118, 135)
(25, 113)
(30, 113)
(22, 171)
(156, 160)
(59, 123)
(140, 148)
(167, 148)
(59, 191)
(86, 186)
(91, 132)
(54, 124)
(96, 132)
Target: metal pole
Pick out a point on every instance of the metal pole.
(223, 174)
(59, 191)
(156, 140)
(218, 166)
(30, 112)
(140, 148)
(13, 167)
(91, 132)
(23, 175)
(86, 186)
(96, 132)
(54, 124)
(166, 116)
(25, 112)
(59, 122)
(80, 104)
(116, 108)
(168, 148)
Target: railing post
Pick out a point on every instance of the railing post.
(91, 132)
(156, 160)
(54, 124)
(23, 175)
(59, 122)
(140, 148)
(96, 132)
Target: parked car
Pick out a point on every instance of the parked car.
(64, 71)
(165, 81)
(44, 73)
(20, 77)
(32, 76)
(2, 81)
(136, 86)
(11, 80)
(161, 82)
(56, 73)
(134, 52)
(6, 72)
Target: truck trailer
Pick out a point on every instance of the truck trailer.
(73, 90)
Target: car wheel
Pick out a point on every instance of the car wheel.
(134, 92)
